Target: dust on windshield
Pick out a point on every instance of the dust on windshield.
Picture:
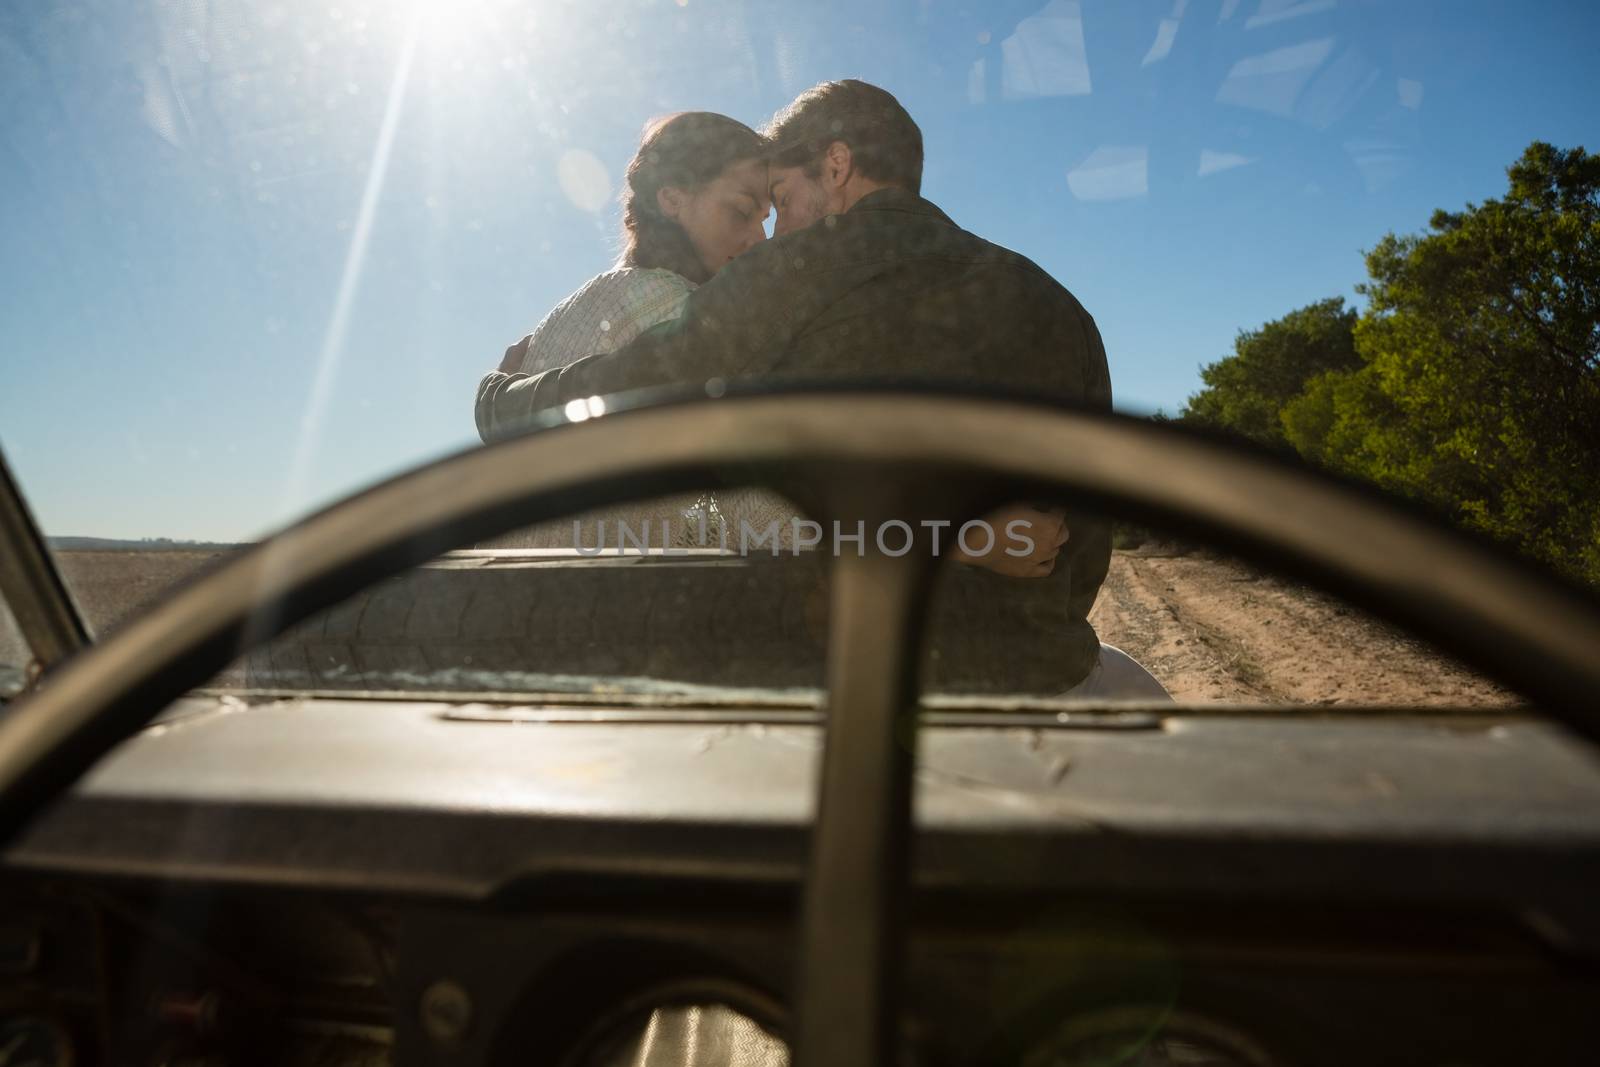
(265, 255)
(1173, 620)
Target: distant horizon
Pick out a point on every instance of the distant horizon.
(89, 542)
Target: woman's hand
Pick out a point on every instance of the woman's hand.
(1014, 526)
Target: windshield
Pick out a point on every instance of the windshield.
(263, 255)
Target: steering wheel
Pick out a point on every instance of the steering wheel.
(848, 455)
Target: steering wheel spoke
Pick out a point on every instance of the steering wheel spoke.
(851, 931)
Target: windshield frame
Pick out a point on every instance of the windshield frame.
(32, 586)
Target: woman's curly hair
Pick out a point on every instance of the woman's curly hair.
(685, 150)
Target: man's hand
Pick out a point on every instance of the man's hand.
(1014, 525)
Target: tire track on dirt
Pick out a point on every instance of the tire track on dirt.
(1140, 614)
(1235, 633)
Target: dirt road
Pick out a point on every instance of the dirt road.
(1214, 629)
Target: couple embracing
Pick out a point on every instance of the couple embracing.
(863, 279)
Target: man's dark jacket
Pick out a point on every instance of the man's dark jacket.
(889, 290)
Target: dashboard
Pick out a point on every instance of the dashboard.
(348, 881)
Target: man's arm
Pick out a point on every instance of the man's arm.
(506, 404)
(1026, 542)
(734, 326)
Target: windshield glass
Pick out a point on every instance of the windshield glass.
(1173, 620)
(263, 255)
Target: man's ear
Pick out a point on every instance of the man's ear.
(836, 165)
(670, 200)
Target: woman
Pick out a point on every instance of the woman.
(695, 197)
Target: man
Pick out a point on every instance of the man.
(866, 280)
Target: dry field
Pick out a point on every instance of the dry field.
(108, 586)
(1211, 629)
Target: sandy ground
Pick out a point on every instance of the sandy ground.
(1211, 629)
(1215, 629)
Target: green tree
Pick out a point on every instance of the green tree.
(1479, 383)
(1246, 392)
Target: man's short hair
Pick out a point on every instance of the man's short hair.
(884, 143)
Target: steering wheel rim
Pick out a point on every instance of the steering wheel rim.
(954, 451)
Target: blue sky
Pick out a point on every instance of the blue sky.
(257, 256)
